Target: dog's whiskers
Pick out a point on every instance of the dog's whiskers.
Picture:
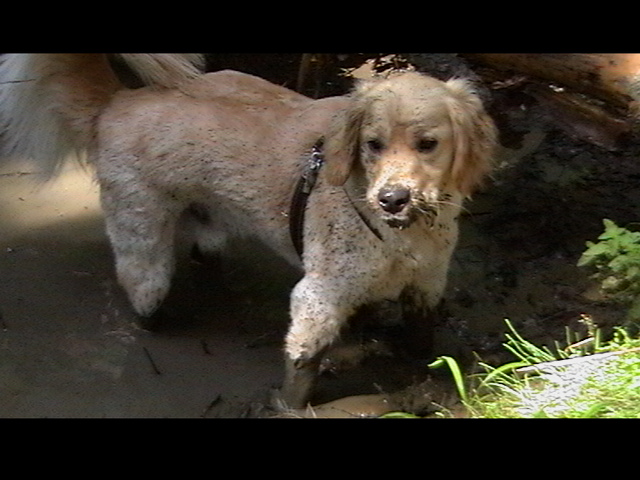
(425, 206)
(453, 204)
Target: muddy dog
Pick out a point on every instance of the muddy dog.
(399, 154)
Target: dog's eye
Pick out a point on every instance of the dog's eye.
(375, 145)
(426, 145)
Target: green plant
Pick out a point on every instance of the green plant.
(456, 372)
(584, 379)
(616, 260)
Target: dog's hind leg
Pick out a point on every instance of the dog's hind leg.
(210, 238)
(141, 228)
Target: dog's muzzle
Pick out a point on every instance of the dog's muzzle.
(400, 208)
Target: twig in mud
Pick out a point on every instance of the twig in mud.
(17, 174)
(9, 82)
(153, 364)
(205, 347)
(3, 324)
(212, 404)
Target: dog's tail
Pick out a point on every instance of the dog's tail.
(49, 103)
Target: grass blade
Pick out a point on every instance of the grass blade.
(455, 371)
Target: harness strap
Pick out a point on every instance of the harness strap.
(301, 195)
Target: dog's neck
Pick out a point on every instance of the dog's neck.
(355, 193)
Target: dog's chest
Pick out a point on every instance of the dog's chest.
(408, 258)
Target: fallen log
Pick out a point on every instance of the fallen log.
(610, 77)
(591, 96)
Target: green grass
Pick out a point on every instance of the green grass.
(585, 379)
(573, 382)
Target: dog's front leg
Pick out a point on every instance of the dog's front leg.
(320, 306)
(419, 320)
(299, 380)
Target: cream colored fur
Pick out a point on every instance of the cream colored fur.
(235, 144)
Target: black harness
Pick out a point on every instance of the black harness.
(301, 196)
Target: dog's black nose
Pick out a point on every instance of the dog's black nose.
(393, 200)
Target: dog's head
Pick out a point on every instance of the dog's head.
(415, 139)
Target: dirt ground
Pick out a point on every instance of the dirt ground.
(70, 345)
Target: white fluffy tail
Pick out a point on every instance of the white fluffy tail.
(167, 70)
(49, 103)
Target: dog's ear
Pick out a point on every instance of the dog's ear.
(474, 136)
(342, 143)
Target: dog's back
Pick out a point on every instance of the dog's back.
(191, 134)
(228, 140)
